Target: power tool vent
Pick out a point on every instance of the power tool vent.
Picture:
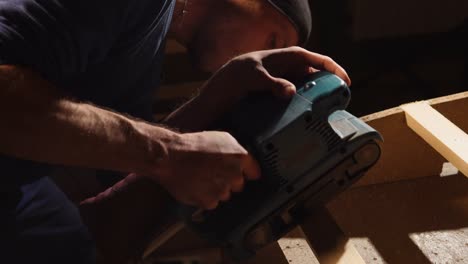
(270, 161)
(315, 125)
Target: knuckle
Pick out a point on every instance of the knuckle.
(328, 59)
(247, 60)
(228, 136)
(296, 49)
(233, 141)
(225, 136)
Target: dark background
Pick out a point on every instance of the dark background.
(395, 52)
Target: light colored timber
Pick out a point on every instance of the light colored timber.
(202, 255)
(394, 217)
(405, 155)
(327, 240)
(419, 221)
(296, 249)
(448, 139)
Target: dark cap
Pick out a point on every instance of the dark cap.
(298, 12)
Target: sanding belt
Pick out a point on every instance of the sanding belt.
(298, 12)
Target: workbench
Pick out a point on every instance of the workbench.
(412, 207)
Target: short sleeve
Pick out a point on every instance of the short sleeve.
(58, 38)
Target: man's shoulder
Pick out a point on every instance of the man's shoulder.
(84, 10)
(92, 41)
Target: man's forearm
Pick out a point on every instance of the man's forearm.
(40, 124)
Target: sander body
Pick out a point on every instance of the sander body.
(309, 149)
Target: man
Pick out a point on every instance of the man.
(76, 82)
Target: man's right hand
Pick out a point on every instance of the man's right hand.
(201, 169)
(198, 169)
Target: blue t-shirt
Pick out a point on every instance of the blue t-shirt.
(108, 52)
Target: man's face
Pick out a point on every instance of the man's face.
(232, 31)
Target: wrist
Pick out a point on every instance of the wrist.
(157, 144)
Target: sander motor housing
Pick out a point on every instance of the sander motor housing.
(309, 150)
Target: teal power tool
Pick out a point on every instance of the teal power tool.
(309, 150)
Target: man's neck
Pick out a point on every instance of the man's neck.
(188, 15)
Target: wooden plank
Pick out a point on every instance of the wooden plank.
(270, 254)
(201, 256)
(423, 220)
(404, 154)
(327, 240)
(448, 139)
(188, 241)
(329, 245)
(296, 248)
(413, 221)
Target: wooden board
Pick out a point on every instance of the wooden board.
(439, 132)
(423, 220)
(327, 240)
(187, 241)
(372, 215)
(405, 155)
(296, 248)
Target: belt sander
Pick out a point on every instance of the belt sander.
(309, 150)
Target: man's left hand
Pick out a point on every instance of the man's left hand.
(268, 70)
